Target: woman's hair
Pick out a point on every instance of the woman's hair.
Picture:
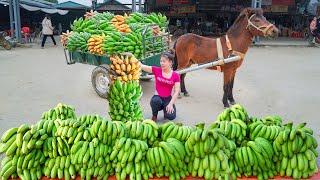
(47, 16)
(170, 54)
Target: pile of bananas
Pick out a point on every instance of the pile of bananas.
(255, 158)
(125, 68)
(235, 129)
(105, 27)
(95, 43)
(168, 159)
(108, 131)
(177, 131)
(61, 111)
(296, 149)
(119, 22)
(209, 151)
(146, 130)
(129, 158)
(264, 129)
(234, 112)
(77, 41)
(124, 101)
(84, 25)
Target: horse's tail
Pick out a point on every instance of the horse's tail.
(175, 60)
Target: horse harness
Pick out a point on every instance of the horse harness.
(230, 50)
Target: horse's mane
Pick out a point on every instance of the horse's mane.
(245, 13)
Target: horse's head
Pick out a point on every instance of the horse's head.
(257, 24)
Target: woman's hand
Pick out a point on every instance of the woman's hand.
(170, 108)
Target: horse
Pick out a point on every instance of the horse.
(193, 49)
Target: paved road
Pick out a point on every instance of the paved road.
(281, 80)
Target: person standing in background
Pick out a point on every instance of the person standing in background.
(47, 30)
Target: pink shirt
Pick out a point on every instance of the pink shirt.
(164, 85)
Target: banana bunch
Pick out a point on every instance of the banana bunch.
(91, 154)
(105, 16)
(90, 14)
(64, 38)
(95, 44)
(296, 147)
(135, 17)
(235, 129)
(124, 101)
(108, 131)
(61, 111)
(234, 112)
(177, 131)
(272, 120)
(264, 129)
(55, 146)
(128, 158)
(105, 27)
(70, 130)
(77, 41)
(116, 43)
(119, 22)
(255, 158)
(168, 159)
(59, 167)
(84, 25)
(158, 19)
(126, 68)
(146, 130)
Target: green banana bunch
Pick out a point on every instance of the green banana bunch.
(146, 130)
(78, 41)
(235, 129)
(177, 131)
(105, 16)
(55, 146)
(167, 158)
(135, 17)
(124, 101)
(59, 167)
(84, 25)
(263, 129)
(272, 120)
(234, 112)
(61, 111)
(108, 131)
(296, 147)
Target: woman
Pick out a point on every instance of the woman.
(166, 80)
(47, 30)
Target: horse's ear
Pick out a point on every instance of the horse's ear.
(250, 11)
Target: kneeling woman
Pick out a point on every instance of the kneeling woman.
(167, 86)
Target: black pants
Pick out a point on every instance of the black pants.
(45, 38)
(159, 103)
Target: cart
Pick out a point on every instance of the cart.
(100, 75)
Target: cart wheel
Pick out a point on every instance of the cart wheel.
(6, 45)
(100, 81)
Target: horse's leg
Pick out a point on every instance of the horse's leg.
(230, 96)
(183, 85)
(226, 86)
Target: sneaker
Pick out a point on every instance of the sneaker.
(154, 118)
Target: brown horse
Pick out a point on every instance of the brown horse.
(193, 49)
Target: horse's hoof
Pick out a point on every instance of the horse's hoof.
(233, 102)
(186, 94)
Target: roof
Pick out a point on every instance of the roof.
(71, 5)
(112, 5)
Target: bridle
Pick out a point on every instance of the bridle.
(263, 29)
